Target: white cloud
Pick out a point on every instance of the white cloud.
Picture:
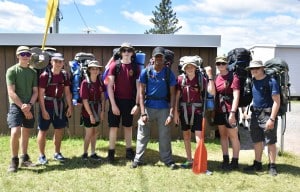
(81, 2)
(18, 17)
(138, 17)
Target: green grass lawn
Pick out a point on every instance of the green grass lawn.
(78, 175)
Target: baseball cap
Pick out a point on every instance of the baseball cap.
(158, 51)
(221, 59)
(23, 49)
(57, 56)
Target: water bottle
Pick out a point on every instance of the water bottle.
(210, 105)
(247, 88)
(140, 59)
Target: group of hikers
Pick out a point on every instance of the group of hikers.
(154, 92)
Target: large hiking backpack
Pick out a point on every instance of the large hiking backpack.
(137, 61)
(238, 60)
(278, 69)
(79, 72)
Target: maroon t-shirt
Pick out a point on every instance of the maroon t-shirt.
(125, 82)
(91, 92)
(190, 91)
(223, 87)
(55, 88)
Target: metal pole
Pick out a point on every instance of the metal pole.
(56, 21)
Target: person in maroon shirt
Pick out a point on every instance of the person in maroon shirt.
(92, 111)
(54, 85)
(189, 99)
(123, 99)
(226, 117)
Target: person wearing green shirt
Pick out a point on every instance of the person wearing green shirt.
(22, 90)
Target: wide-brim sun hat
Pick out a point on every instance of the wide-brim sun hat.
(189, 60)
(126, 45)
(255, 64)
(94, 63)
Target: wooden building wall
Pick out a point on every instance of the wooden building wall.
(103, 54)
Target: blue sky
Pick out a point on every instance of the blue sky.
(241, 23)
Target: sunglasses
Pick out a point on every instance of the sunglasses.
(220, 63)
(127, 50)
(27, 54)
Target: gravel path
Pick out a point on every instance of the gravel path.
(291, 142)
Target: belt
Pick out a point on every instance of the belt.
(266, 110)
(194, 106)
(54, 99)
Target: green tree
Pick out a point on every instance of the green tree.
(165, 21)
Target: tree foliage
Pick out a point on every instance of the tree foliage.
(165, 21)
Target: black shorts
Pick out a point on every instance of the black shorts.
(86, 122)
(16, 118)
(197, 123)
(257, 128)
(222, 119)
(125, 106)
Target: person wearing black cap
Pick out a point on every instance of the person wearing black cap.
(54, 84)
(156, 81)
(22, 91)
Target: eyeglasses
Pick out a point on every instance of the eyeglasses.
(220, 63)
(127, 50)
(27, 54)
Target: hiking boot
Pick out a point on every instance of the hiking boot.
(136, 164)
(234, 165)
(187, 165)
(25, 161)
(14, 164)
(225, 163)
(59, 157)
(272, 169)
(172, 165)
(130, 154)
(111, 156)
(84, 156)
(42, 160)
(96, 157)
(257, 166)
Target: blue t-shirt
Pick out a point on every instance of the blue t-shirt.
(263, 90)
(157, 87)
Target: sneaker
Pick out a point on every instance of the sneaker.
(130, 154)
(272, 169)
(187, 165)
(84, 156)
(25, 161)
(59, 157)
(96, 157)
(14, 164)
(136, 164)
(172, 165)
(43, 160)
(257, 166)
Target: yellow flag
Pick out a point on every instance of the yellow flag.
(50, 14)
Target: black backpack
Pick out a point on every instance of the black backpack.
(238, 60)
(279, 70)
